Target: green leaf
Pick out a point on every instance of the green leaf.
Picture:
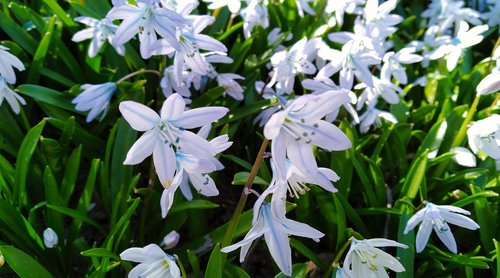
(23, 264)
(433, 140)
(194, 204)
(195, 264)
(298, 271)
(49, 96)
(100, 252)
(214, 267)
(23, 161)
(41, 53)
(234, 271)
(416, 176)
(241, 178)
(77, 215)
(470, 199)
(60, 12)
(18, 34)
(308, 253)
(497, 251)
(406, 256)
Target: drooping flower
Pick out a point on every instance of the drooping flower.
(484, 135)
(295, 129)
(269, 220)
(7, 64)
(95, 98)
(50, 238)
(12, 97)
(373, 116)
(99, 31)
(392, 64)
(437, 217)
(365, 259)
(153, 262)
(489, 84)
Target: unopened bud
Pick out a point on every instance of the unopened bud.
(49, 238)
(170, 240)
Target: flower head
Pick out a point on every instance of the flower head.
(437, 217)
(99, 31)
(153, 262)
(95, 98)
(484, 135)
(364, 259)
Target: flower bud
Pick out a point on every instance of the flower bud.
(49, 238)
(170, 240)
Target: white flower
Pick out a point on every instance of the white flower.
(392, 64)
(295, 129)
(95, 98)
(484, 135)
(153, 262)
(465, 38)
(99, 31)
(50, 238)
(340, 7)
(148, 20)
(12, 97)
(287, 64)
(254, 14)
(7, 64)
(437, 217)
(493, 15)
(303, 5)
(372, 116)
(445, 13)
(231, 87)
(270, 221)
(170, 240)
(463, 157)
(489, 84)
(165, 132)
(365, 259)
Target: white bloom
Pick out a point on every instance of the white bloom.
(300, 125)
(287, 64)
(493, 15)
(231, 87)
(489, 84)
(303, 5)
(340, 7)
(445, 13)
(465, 38)
(7, 64)
(378, 20)
(392, 64)
(148, 20)
(372, 116)
(270, 221)
(484, 135)
(50, 238)
(95, 98)
(12, 97)
(165, 132)
(437, 217)
(463, 157)
(153, 262)
(275, 35)
(170, 240)
(365, 259)
(254, 14)
(99, 31)
(381, 88)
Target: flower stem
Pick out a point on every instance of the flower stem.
(228, 236)
(181, 266)
(459, 138)
(335, 262)
(141, 71)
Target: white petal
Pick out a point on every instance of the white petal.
(173, 107)
(329, 137)
(459, 220)
(142, 148)
(447, 238)
(386, 260)
(423, 235)
(165, 163)
(139, 116)
(490, 84)
(464, 157)
(273, 126)
(199, 117)
(301, 155)
(279, 247)
(300, 229)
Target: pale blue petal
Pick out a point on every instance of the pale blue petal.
(199, 117)
(142, 148)
(423, 235)
(139, 116)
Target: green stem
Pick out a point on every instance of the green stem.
(181, 266)
(141, 71)
(335, 262)
(228, 236)
(459, 138)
